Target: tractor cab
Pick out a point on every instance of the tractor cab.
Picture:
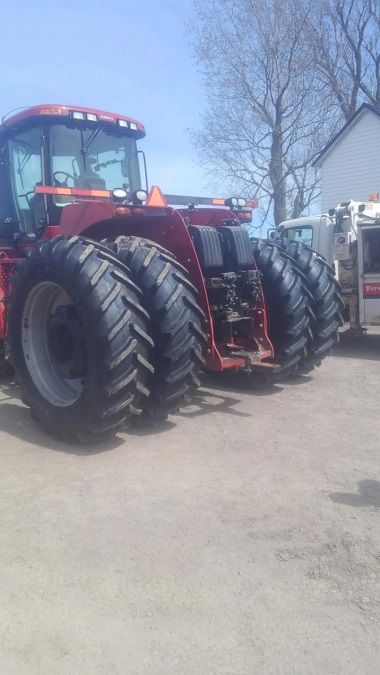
(53, 155)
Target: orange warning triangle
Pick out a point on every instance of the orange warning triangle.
(155, 197)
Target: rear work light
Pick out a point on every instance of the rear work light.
(127, 125)
(235, 202)
(78, 115)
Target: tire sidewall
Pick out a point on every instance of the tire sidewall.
(80, 409)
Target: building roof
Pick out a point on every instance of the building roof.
(364, 108)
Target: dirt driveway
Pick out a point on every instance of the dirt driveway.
(243, 537)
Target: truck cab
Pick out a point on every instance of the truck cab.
(349, 239)
(314, 231)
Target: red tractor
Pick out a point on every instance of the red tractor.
(112, 301)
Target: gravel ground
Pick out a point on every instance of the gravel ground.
(242, 537)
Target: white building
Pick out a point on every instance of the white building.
(350, 163)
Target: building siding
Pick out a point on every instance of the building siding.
(351, 169)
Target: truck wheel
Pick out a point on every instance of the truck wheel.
(79, 339)
(326, 302)
(170, 300)
(287, 303)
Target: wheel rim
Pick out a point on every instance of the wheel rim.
(54, 344)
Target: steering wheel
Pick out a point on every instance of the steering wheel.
(27, 196)
(66, 177)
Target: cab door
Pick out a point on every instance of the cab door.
(369, 275)
(25, 158)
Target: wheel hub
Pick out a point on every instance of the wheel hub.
(66, 342)
(54, 344)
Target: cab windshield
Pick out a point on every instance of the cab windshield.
(304, 234)
(92, 158)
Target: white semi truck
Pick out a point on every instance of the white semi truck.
(348, 237)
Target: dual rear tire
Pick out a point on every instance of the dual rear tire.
(176, 320)
(325, 301)
(288, 307)
(303, 303)
(88, 355)
(79, 339)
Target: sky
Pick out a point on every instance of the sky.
(120, 56)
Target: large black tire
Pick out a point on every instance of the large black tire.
(326, 302)
(287, 304)
(78, 338)
(176, 324)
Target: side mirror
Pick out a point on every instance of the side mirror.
(271, 234)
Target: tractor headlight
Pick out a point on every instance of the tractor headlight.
(242, 202)
(138, 196)
(232, 202)
(122, 123)
(92, 117)
(119, 194)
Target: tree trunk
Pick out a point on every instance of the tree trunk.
(276, 173)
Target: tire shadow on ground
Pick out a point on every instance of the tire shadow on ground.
(206, 402)
(215, 395)
(368, 495)
(297, 380)
(363, 347)
(16, 420)
(236, 383)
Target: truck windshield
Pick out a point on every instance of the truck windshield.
(302, 234)
(92, 158)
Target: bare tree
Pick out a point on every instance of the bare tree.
(267, 117)
(281, 77)
(345, 36)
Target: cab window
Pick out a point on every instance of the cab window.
(371, 250)
(92, 158)
(26, 171)
(304, 235)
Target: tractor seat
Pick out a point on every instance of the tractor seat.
(91, 181)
